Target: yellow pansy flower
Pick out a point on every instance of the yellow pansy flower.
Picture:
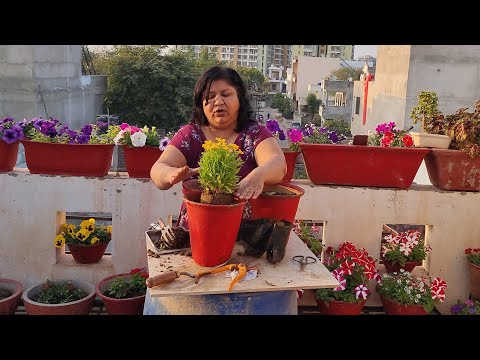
(88, 224)
(82, 234)
(109, 229)
(71, 229)
(94, 240)
(63, 227)
(59, 241)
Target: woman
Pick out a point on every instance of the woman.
(221, 111)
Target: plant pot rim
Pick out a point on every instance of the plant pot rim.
(106, 280)
(52, 143)
(197, 203)
(343, 302)
(90, 245)
(140, 147)
(18, 287)
(86, 286)
(364, 148)
(298, 190)
(474, 265)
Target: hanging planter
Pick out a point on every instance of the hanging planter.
(139, 160)
(357, 165)
(10, 293)
(8, 155)
(68, 159)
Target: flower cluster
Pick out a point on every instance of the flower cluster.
(219, 166)
(53, 131)
(320, 135)
(469, 307)
(473, 255)
(404, 288)
(84, 234)
(404, 247)
(139, 137)
(274, 127)
(295, 136)
(128, 287)
(353, 269)
(307, 233)
(10, 131)
(387, 136)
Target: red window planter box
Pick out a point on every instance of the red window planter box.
(139, 160)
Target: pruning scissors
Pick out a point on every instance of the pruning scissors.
(304, 260)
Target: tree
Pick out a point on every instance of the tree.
(313, 104)
(277, 100)
(254, 78)
(345, 72)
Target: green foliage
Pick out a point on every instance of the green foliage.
(300, 173)
(426, 111)
(344, 73)
(313, 103)
(219, 166)
(124, 287)
(253, 77)
(283, 104)
(306, 233)
(339, 126)
(473, 256)
(59, 293)
(277, 100)
(464, 129)
(87, 233)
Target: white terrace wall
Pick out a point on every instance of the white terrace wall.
(32, 206)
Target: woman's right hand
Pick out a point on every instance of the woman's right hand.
(182, 173)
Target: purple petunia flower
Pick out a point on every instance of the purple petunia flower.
(10, 136)
(87, 129)
(83, 138)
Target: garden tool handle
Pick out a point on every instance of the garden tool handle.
(162, 279)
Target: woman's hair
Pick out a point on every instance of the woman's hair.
(202, 88)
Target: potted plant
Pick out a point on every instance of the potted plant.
(87, 242)
(10, 293)
(55, 149)
(353, 268)
(142, 147)
(59, 297)
(10, 134)
(124, 294)
(473, 259)
(456, 168)
(404, 250)
(430, 118)
(405, 294)
(308, 234)
(214, 217)
(388, 161)
(468, 307)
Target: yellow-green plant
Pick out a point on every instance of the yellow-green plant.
(219, 166)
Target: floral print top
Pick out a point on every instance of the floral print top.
(189, 140)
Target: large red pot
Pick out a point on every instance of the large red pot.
(9, 305)
(68, 159)
(358, 165)
(88, 254)
(453, 170)
(8, 155)
(335, 307)
(139, 160)
(291, 159)
(213, 230)
(277, 206)
(127, 306)
(395, 267)
(393, 308)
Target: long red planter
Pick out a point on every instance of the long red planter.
(453, 170)
(139, 160)
(8, 155)
(68, 159)
(357, 165)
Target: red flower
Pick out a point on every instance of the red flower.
(407, 140)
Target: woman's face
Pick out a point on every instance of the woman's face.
(222, 106)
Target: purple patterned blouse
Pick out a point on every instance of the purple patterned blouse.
(189, 140)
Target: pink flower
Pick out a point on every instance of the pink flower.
(124, 126)
(361, 292)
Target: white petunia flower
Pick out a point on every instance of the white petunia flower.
(138, 139)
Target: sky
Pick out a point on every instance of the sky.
(361, 50)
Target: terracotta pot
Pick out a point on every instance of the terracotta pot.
(68, 159)
(213, 230)
(277, 206)
(393, 308)
(114, 306)
(474, 271)
(139, 160)
(291, 159)
(9, 305)
(88, 254)
(453, 170)
(358, 165)
(335, 307)
(8, 155)
(79, 307)
(409, 266)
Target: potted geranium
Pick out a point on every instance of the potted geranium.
(87, 242)
(55, 149)
(405, 294)
(214, 216)
(60, 297)
(124, 294)
(353, 268)
(142, 147)
(10, 134)
(468, 307)
(404, 250)
(473, 258)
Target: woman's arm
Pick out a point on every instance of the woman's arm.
(170, 168)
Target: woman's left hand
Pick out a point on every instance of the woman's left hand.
(251, 186)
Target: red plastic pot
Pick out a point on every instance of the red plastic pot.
(139, 160)
(291, 159)
(278, 207)
(9, 305)
(393, 308)
(409, 266)
(213, 231)
(8, 155)
(357, 165)
(335, 307)
(127, 306)
(68, 159)
(453, 170)
(88, 254)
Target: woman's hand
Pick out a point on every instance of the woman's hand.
(251, 186)
(181, 173)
